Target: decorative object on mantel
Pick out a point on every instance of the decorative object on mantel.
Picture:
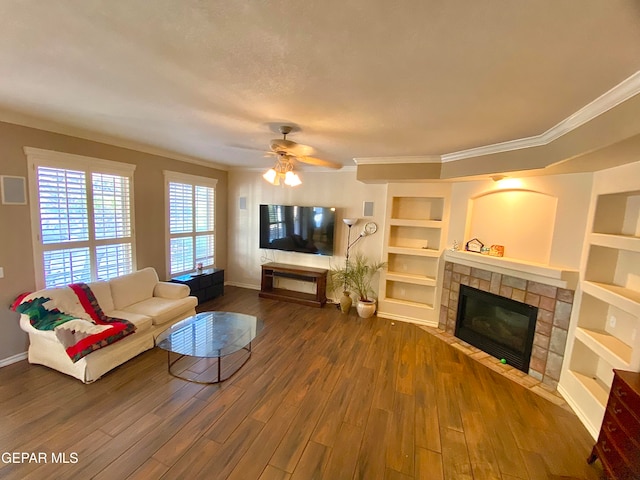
(455, 246)
(474, 245)
(496, 251)
(484, 250)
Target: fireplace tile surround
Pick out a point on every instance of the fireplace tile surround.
(552, 324)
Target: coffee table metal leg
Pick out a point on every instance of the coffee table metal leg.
(219, 380)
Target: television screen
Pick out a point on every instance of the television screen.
(297, 229)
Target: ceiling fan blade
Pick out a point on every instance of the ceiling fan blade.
(280, 145)
(319, 162)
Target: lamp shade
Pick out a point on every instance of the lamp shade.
(292, 179)
(350, 221)
(270, 176)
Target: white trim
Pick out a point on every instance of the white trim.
(305, 169)
(191, 179)
(394, 160)
(586, 421)
(37, 157)
(622, 92)
(72, 160)
(562, 277)
(41, 124)
(194, 180)
(13, 359)
(243, 285)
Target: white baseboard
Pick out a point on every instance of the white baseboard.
(592, 429)
(13, 359)
(243, 285)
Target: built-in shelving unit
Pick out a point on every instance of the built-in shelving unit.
(606, 320)
(415, 232)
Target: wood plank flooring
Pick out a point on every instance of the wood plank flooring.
(324, 396)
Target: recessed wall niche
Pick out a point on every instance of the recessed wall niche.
(521, 220)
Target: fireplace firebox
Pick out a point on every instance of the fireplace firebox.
(499, 326)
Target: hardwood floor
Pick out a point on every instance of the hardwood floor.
(325, 396)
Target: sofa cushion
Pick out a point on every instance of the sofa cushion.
(142, 322)
(102, 291)
(171, 290)
(133, 288)
(161, 310)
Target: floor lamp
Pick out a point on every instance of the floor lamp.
(350, 222)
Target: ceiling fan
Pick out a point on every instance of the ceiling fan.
(288, 152)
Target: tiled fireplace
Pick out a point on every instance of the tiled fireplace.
(554, 310)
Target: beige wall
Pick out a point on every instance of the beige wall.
(16, 256)
(338, 189)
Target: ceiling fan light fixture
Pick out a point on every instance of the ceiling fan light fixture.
(292, 179)
(270, 176)
(283, 169)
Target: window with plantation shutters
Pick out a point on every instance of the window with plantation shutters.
(191, 222)
(82, 217)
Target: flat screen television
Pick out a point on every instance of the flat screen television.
(295, 228)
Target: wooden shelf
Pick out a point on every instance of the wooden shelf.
(415, 232)
(411, 278)
(621, 242)
(610, 348)
(621, 297)
(598, 390)
(407, 303)
(422, 252)
(403, 222)
(609, 311)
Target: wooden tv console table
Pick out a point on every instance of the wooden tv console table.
(318, 276)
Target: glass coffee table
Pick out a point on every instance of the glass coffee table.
(210, 335)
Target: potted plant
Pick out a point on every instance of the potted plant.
(360, 273)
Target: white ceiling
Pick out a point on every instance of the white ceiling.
(360, 78)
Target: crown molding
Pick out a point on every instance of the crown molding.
(394, 160)
(305, 169)
(112, 141)
(622, 92)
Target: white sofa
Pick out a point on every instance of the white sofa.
(139, 298)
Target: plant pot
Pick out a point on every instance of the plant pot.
(366, 308)
(345, 302)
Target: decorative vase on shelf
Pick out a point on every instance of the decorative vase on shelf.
(345, 302)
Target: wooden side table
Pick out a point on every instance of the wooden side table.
(317, 276)
(205, 286)
(618, 446)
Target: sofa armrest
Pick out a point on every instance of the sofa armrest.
(171, 290)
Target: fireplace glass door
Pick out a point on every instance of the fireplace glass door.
(497, 325)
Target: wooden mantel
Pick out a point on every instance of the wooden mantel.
(562, 277)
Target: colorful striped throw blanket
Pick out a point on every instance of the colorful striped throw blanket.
(75, 316)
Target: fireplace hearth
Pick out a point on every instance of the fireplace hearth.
(554, 312)
(500, 326)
